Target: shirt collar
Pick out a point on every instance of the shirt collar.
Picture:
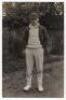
(36, 26)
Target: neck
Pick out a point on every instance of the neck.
(36, 24)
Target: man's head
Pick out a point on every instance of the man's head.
(34, 18)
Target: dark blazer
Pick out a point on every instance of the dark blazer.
(43, 36)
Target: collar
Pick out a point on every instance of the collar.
(36, 26)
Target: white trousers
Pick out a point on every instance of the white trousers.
(37, 55)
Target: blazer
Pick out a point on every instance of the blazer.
(43, 36)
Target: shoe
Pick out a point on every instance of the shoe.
(40, 89)
(27, 87)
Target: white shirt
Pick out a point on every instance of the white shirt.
(33, 40)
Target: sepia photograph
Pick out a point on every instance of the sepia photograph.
(33, 49)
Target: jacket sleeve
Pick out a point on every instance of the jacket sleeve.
(45, 37)
(25, 37)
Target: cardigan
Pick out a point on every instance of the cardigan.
(43, 36)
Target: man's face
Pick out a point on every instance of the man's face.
(34, 19)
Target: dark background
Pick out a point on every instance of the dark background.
(14, 20)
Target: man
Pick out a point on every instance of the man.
(35, 40)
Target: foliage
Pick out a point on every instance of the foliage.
(51, 16)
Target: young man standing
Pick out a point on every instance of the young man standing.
(36, 36)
